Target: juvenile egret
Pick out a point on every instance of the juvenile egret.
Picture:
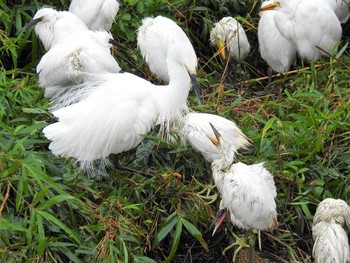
(228, 34)
(341, 9)
(66, 63)
(330, 231)
(53, 26)
(119, 110)
(153, 38)
(195, 129)
(248, 193)
(278, 51)
(307, 23)
(96, 14)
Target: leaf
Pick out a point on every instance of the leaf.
(41, 234)
(53, 201)
(58, 223)
(176, 241)
(195, 233)
(164, 231)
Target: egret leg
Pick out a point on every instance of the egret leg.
(269, 73)
(121, 167)
(251, 241)
(240, 242)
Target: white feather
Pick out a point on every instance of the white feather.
(230, 32)
(96, 14)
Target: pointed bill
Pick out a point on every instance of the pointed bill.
(219, 219)
(222, 49)
(271, 6)
(30, 24)
(196, 88)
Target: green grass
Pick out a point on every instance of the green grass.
(51, 212)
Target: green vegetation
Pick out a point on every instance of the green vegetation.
(51, 212)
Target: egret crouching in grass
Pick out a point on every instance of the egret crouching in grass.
(230, 38)
(154, 37)
(119, 110)
(248, 194)
(309, 24)
(96, 14)
(330, 231)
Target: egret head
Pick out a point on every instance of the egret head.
(333, 211)
(269, 5)
(227, 149)
(219, 35)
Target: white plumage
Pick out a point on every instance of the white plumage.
(96, 14)
(153, 38)
(330, 232)
(307, 23)
(67, 63)
(195, 129)
(53, 26)
(248, 192)
(120, 109)
(229, 33)
(278, 51)
(341, 9)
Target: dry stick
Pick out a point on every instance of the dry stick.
(332, 56)
(5, 198)
(279, 74)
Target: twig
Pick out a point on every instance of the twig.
(278, 75)
(332, 56)
(5, 198)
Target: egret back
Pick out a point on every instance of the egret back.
(154, 37)
(248, 192)
(96, 14)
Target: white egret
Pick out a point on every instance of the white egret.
(96, 14)
(307, 23)
(153, 38)
(330, 230)
(53, 26)
(195, 128)
(341, 9)
(248, 193)
(66, 63)
(119, 109)
(279, 52)
(228, 34)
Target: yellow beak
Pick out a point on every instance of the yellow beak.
(271, 6)
(221, 47)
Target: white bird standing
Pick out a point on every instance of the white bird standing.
(120, 109)
(248, 193)
(279, 52)
(53, 26)
(228, 34)
(67, 63)
(195, 128)
(330, 230)
(307, 23)
(96, 14)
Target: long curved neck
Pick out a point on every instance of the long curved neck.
(173, 102)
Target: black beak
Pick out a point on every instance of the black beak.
(196, 88)
(116, 44)
(30, 24)
(216, 132)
